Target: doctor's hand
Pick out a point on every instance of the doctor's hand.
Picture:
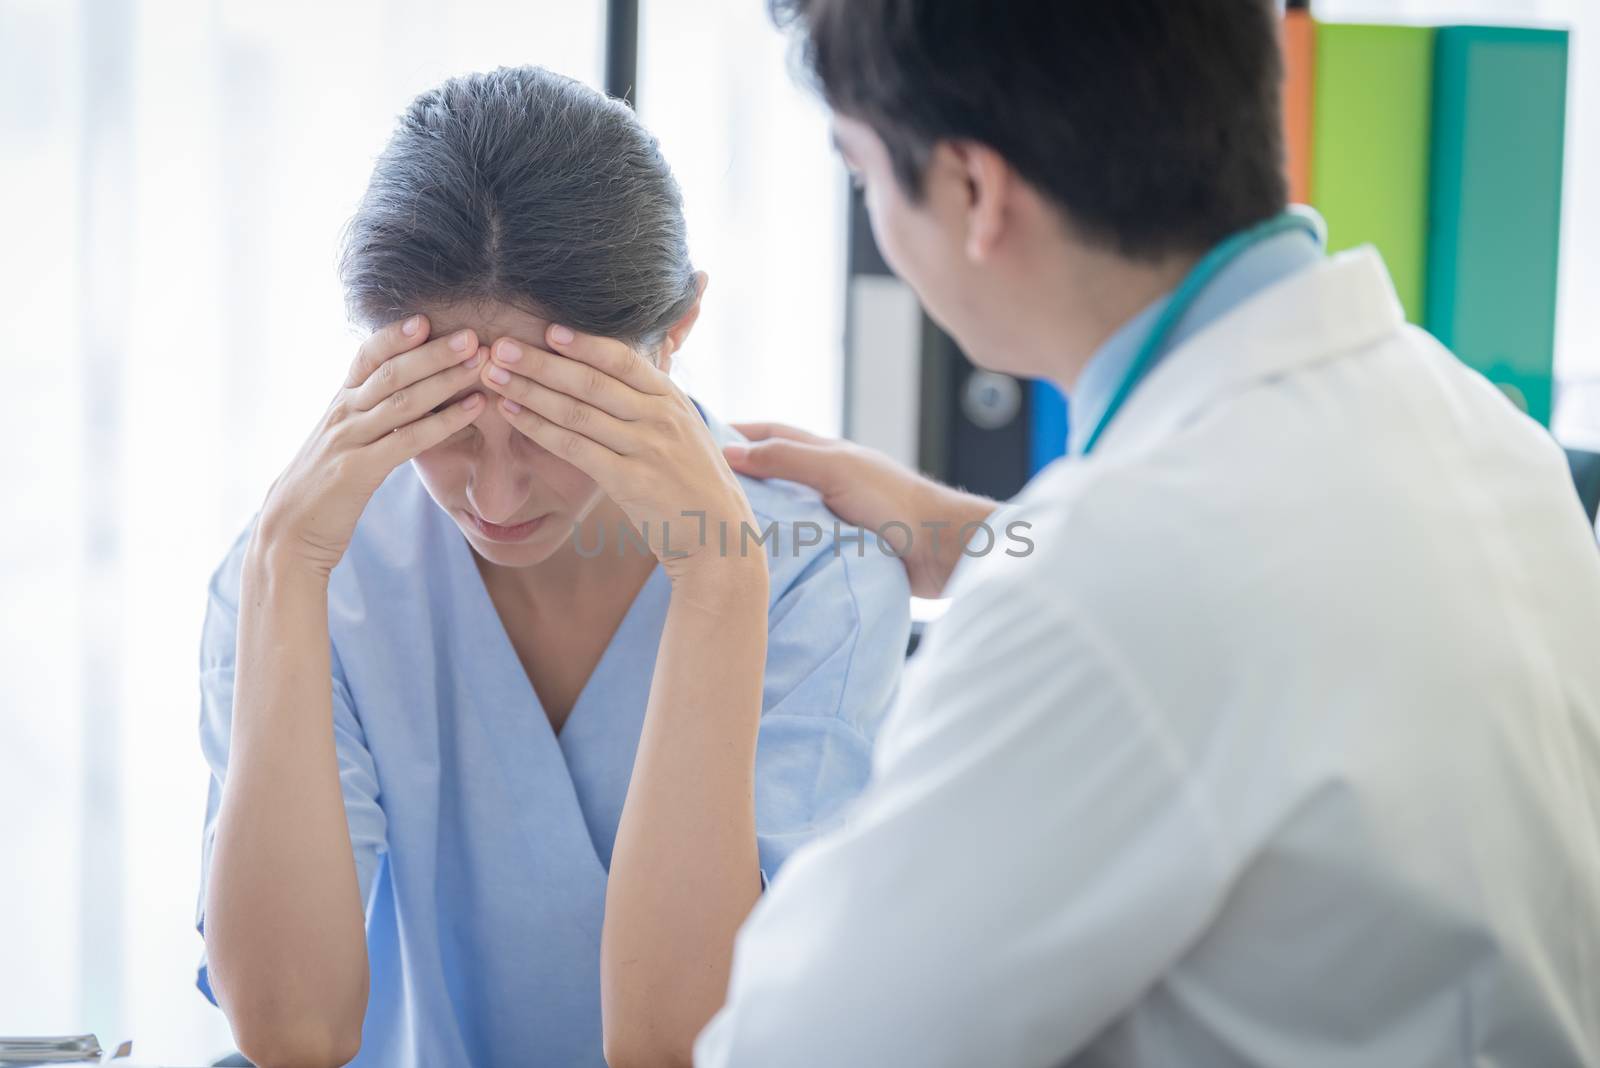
(390, 408)
(611, 413)
(869, 490)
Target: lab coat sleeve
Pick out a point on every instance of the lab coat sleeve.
(357, 775)
(1030, 857)
(835, 652)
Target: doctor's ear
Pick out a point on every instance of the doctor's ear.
(678, 332)
(991, 191)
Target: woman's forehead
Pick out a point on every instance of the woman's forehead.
(490, 320)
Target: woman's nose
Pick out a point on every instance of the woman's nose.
(497, 490)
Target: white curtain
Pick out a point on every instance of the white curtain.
(766, 202)
(173, 179)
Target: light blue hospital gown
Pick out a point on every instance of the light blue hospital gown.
(482, 838)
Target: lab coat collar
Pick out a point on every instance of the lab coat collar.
(1321, 313)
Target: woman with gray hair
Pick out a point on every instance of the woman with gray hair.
(484, 726)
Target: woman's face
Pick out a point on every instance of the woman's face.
(515, 502)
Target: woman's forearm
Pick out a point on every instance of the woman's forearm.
(284, 927)
(684, 870)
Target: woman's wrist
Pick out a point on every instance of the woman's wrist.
(273, 561)
(723, 582)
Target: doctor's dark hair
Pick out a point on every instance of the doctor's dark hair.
(525, 188)
(1154, 125)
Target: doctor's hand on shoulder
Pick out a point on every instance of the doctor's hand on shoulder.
(394, 403)
(869, 490)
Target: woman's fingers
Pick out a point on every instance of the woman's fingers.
(405, 370)
(406, 442)
(584, 453)
(407, 404)
(615, 358)
(383, 345)
(582, 381)
(562, 409)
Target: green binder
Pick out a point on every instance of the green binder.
(1370, 139)
(1500, 98)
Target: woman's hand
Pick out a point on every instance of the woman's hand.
(390, 408)
(284, 923)
(868, 489)
(608, 411)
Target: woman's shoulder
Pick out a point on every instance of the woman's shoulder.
(812, 552)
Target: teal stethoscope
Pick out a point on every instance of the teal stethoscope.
(1189, 291)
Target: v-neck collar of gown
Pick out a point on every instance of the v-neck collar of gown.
(592, 754)
(580, 776)
(649, 601)
(619, 636)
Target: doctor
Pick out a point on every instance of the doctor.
(1282, 747)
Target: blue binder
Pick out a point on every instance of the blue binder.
(1494, 235)
(1048, 425)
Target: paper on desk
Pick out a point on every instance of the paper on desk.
(57, 1050)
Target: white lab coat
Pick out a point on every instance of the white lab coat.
(1281, 748)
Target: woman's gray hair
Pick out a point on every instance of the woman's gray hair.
(522, 187)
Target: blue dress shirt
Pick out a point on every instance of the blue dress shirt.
(1258, 267)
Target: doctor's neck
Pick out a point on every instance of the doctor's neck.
(1063, 298)
(1102, 292)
